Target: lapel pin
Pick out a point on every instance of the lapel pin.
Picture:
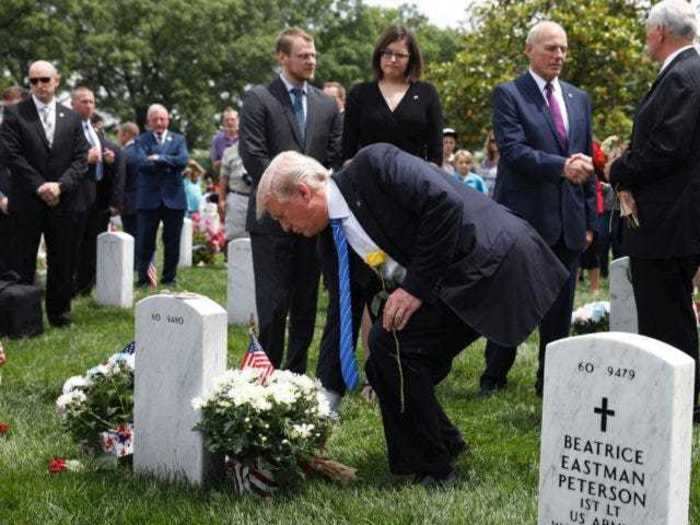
(358, 203)
(60, 115)
(415, 97)
(570, 95)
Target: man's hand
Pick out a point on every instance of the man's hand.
(94, 155)
(50, 193)
(578, 168)
(3, 205)
(108, 156)
(589, 238)
(398, 309)
(152, 158)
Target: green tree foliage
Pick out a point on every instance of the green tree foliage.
(193, 56)
(606, 58)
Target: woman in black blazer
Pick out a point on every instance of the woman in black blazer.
(396, 107)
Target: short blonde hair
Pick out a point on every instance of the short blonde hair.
(463, 154)
(283, 176)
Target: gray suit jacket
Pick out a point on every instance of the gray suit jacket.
(268, 127)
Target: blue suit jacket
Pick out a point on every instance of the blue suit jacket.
(160, 181)
(530, 168)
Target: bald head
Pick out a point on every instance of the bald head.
(546, 48)
(158, 118)
(44, 80)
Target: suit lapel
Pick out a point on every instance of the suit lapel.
(311, 115)
(571, 111)
(34, 118)
(279, 91)
(365, 217)
(533, 93)
(61, 125)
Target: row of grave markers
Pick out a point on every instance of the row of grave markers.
(616, 416)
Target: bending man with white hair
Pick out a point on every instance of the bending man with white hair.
(661, 169)
(468, 268)
(160, 196)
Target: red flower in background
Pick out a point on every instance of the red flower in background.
(4, 429)
(57, 465)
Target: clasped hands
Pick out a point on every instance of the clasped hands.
(50, 193)
(96, 154)
(399, 308)
(578, 168)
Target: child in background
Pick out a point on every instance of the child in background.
(464, 162)
(193, 189)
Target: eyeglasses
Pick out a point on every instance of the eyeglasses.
(43, 80)
(389, 54)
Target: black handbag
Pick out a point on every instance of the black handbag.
(21, 314)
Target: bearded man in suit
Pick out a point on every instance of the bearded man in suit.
(661, 171)
(287, 114)
(47, 154)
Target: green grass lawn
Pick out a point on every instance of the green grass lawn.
(498, 479)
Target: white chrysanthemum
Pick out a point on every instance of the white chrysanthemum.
(128, 360)
(75, 398)
(99, 370)
(283, 393)
(324, 405)
(197, 403)
(302, 430)
(76, 383)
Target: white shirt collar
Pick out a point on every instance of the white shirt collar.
(291, 86)
(164, 134)
(337, 206)
(673, 55)
(128, 143)
(40, 105)
(541, 83)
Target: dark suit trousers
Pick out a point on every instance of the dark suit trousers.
(422, 439)
(286, 284)
(60, 233)
(556, 324)
(148, 221)
(130, 225)
(8, 237)
(663, 291)
(96, 221)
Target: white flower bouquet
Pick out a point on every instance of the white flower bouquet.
(278, 425)
(591, 318)
(99, 403)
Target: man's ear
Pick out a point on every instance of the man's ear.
(305, 192)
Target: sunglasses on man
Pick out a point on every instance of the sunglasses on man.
(43, 80)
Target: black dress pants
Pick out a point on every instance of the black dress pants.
(556, 324)
(422, 439)
(96, 222)
(663, 291)
(148, 229)
(8, 235)
(287, 273)
(60, 229)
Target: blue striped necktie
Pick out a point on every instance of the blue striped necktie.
(348, 364)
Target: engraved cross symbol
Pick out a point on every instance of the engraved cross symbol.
(604, 413)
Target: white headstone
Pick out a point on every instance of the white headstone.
(115, 269)
(185, 244)
(241, 282)
(623, 309)
(180, 349)
(616, 432)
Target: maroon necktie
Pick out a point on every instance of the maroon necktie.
(555, 111)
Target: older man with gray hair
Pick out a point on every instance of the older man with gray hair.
(160, 196)
(661, 171)
(454, 264)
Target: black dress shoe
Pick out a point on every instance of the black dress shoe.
(434, 481)
(60, 321)
(489, 389)
(169, 282)
(696, 415)
(457, 449)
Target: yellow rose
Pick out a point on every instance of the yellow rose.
(376, 258)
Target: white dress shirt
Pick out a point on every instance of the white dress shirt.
(304, 90)
(50, 123)
(558, 95)
(357, 237)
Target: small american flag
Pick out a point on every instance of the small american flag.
(152, 275)
(130, 348)
(250, 479)
(255, 356)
